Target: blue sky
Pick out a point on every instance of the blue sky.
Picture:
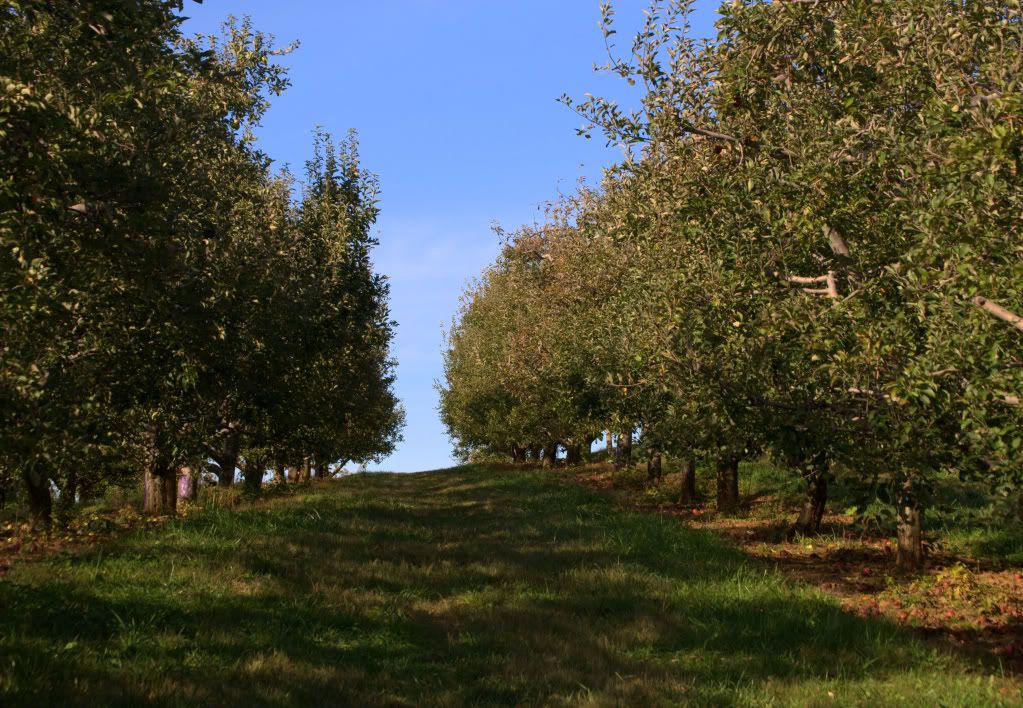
(454, 101)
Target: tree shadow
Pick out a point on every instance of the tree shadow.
(455, 588)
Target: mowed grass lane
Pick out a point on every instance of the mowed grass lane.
(466, 586)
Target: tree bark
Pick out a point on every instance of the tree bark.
(188, 482)
(689, 495)
(227, 459)
(550, 455)
(534, 453)
(623, 456)
(812, 512)
(517, 454)
(609, 447)
(727, 483)
(654, 471)
(909, 552)
(160, 490)
(279, 474)
(573, 454)
(37, 488)
(253, 475)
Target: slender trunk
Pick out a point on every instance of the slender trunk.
(609, 446)
(654, 471)
(910, 552)
(253, 475)
(689, 495)
(68, 495)
(812, 512)
(550, 455)
(588, 447)
(727, 483)
(534, 453)
(517, 454)
(623, 456)
(279, 475)
(227, 459)
(307, 469)
(37, 488)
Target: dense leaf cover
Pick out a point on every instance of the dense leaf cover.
(813, 249)
(164, 301)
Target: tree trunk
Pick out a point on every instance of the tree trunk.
(910, 552)
(550, 455)
(609, 447)
(307, 469)
(534, 453)
(253, 475)
(68, 496)
(623, 453)
(40, 503)
(518, 454)
(187, 482)
(654, 471)
(321, 470)
(227, 460)
(159, 491)
(689, 495)
(573, 454)
(279, 475)
(812, 512)
(727, 483)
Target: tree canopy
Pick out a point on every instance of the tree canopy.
(811, 250)
(165, 301)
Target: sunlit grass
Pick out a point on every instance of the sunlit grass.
(459, 587)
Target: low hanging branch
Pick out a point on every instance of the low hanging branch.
(830, 284)
(998, 311)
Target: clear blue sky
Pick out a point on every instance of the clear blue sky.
(454, 101)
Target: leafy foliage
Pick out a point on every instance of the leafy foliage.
(812, 249)
(162, 298)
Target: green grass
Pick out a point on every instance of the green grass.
(450, 588)
(962, 518)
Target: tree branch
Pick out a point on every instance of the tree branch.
(998, 311)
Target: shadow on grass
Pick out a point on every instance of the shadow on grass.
(465, 586)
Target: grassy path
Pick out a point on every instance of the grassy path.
(451, 588)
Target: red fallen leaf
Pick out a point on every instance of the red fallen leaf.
(867, 571)
(950, 614)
